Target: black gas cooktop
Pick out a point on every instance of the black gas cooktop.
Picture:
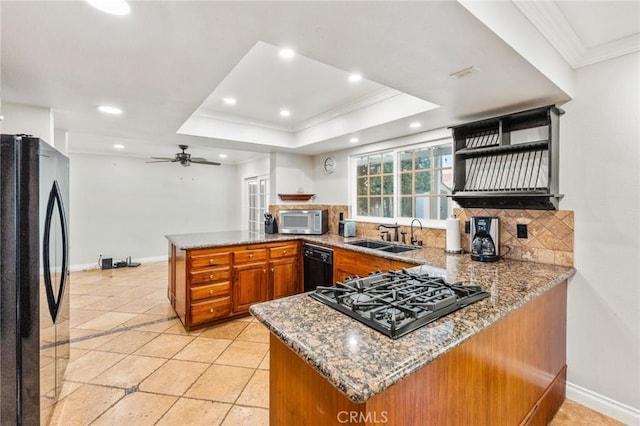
(397, 302)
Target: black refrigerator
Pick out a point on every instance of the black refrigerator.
(34, 258)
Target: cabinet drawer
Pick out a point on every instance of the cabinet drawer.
(210, 275)
(208, 260)
(249, 255)
(211, 290)
(206, 311)
(283, 251)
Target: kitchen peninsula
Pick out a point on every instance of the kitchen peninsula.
(501, 360)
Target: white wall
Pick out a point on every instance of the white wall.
(121, 206)
(289, 173)
(28, 119)
(599, 175)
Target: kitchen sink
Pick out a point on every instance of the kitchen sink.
(382, 246)
(397, 249)
(370, 244)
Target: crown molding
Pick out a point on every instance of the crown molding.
(547, 17)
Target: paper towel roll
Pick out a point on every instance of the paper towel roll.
(453, 235)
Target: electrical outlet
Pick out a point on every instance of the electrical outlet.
(522, 230)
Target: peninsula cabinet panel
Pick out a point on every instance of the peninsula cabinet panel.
(249, 285)
(284, 277)
(511, 373)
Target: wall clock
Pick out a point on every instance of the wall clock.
(329, 165)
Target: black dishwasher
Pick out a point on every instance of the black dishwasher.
(318, 266)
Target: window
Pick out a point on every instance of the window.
(405, 183)
(257, 188)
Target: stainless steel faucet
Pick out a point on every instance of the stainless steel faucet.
(395, 230)
(413, 239)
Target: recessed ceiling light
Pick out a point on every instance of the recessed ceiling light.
(285, 112)
(354, 140)
(109, 109)
(229, 101)
(415, 124)
(287, 53)
(112, 7)
(222, 155)
(354, 77)
(118, 146)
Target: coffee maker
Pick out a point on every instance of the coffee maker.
(485, 239)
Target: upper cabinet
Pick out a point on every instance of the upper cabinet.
(508, 162)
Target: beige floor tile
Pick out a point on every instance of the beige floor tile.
(264, 365)
(138, 408)
(195, 413)
(243, 354)
(162, 307)
(174, 377)
(136, 292)
(220, 383)
(128, 372)
(108, 303)
(165, 345)
(90, 339)
(80, 316)
(84, 405)
(144, 322)
(178, 328)
(107, 321)
(243, 416)
(83, 300)
(90, 365)
(128, 341)
(67, 388)
(202, 349)
(255, 332)
(572, 413)
(138, 306)
(256, 393)
(226, 330)
(160, 294)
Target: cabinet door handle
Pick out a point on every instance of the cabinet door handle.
(264, 270)
(284, 252)
(272, 270)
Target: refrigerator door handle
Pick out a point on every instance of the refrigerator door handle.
(52, 299)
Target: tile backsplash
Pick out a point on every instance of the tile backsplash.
(550, 232)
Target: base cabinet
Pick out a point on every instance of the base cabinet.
(348, 263)
(511, 373)
(213, 284)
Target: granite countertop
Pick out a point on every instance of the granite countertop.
(360, 361)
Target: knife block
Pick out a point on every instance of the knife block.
(270, 227)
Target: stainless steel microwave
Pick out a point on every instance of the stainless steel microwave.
(304, 222)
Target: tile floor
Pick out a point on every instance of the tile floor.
(132, 362)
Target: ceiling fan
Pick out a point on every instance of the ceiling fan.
(183, 158)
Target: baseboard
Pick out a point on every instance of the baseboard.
(607, 406)
(94, 266)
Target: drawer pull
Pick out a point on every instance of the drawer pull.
(251, 256)
(211, 310)
(284, 252)
(210, 291)
(212, 262)
(211, 276)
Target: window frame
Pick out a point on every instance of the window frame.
(395, 150)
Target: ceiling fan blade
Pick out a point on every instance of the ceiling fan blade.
(198, 159)
(160, 161)
(203, 161)
(162, 158)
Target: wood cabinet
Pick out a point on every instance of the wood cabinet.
(348, 263)
(212, 284)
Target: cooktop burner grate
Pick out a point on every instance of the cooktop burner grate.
(397, 302)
